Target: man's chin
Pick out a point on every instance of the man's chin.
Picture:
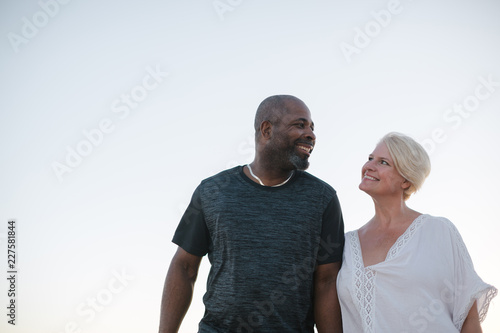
(299, 163)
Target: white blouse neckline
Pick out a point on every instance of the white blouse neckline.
(395, 248)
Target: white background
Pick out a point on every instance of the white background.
(66, 68)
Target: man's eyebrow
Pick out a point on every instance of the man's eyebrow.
(305, 120)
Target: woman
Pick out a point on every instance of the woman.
(405, 271)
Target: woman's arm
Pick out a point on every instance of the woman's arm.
(471, 323)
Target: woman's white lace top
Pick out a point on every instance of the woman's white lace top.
(427, 282)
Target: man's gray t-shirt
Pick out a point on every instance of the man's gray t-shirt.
(263, 244)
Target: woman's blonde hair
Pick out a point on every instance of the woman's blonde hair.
(410, 159)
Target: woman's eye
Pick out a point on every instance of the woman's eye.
(384, 162)
(370, 158)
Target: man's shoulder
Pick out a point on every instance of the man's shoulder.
(222, 177)
(312, 180)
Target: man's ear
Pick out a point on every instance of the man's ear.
(266, 129)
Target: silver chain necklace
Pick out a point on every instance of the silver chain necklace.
(260, 181)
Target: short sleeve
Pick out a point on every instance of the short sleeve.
(331, 245)
(468, 286)
(192, 233)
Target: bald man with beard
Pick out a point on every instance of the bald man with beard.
(273, 233)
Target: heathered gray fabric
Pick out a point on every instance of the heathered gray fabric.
(263, 244)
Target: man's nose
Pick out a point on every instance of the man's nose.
(310, 134)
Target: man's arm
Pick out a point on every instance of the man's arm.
(326, 303)
(178, 290)
(471, 323)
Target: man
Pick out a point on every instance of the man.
(274, 235)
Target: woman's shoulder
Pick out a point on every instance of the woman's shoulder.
(428, 222)
(440, 225)
(437, 220)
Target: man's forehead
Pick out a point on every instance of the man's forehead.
(295, 103)
(298, 112)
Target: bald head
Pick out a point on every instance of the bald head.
(272, 109)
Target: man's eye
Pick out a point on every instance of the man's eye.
(301, 125)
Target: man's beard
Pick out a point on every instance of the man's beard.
(299, 163)
(286, 158)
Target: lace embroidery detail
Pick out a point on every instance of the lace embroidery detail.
(364, 277)
(364, 285)
(405, 237)
(482, 295)
(492, 292)
(461, 244)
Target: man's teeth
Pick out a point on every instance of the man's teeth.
(305, 149)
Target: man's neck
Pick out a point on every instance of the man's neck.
(266, 175)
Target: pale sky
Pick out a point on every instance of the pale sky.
(113, 112)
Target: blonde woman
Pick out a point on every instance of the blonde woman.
(405, 271)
